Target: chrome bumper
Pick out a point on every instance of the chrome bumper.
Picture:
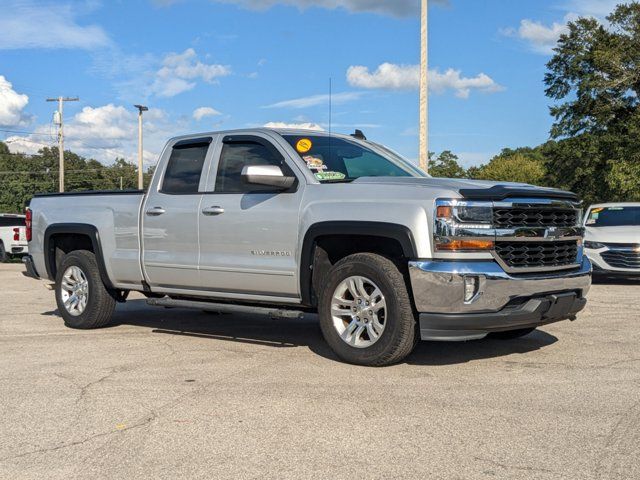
(438, 286)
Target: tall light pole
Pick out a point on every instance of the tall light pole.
(424, 89)
(141, 108)
(59, 120)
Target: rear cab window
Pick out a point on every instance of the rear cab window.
(184, 168)
(12, 221)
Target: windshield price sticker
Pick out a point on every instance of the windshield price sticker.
(304, 145)
(324, 176)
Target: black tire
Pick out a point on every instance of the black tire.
(511, 334)
(4, 258)
(400, 333)
(100, 303)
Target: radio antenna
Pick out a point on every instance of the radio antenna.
(330, 103)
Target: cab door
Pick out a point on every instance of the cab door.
(170, 216)
(249, 234)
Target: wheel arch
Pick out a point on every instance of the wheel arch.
(77, 237)
(400, 236)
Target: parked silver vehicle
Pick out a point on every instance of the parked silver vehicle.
(334, 224)
(612, 240)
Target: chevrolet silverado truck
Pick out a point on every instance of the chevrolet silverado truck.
(313, 222)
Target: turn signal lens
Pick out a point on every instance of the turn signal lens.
(457, 245)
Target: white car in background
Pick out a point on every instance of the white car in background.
(13, 238)
(612, 239)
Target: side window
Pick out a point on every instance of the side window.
(184, 168)
(237, 155)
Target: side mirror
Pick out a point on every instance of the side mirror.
(267, 175)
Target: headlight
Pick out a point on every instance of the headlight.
(593, 245)
(462, 226)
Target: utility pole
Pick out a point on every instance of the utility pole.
(60, 123)
(141, 108)
(424, 89)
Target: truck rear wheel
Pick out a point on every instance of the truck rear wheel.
(4, 257)
(83, 300)
(366, 313)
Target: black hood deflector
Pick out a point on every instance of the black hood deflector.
(502, 192)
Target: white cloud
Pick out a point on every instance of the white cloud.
(180, 71)
(541, 38)
(202, 112)
(453, 80)
(316, 100)
(12, 105)
(389, 76)
(27, 24)
(296, 126)
(397, 8)
(104, 133)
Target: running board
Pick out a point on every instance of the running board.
(223, 307)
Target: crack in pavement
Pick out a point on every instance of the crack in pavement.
(147, 421)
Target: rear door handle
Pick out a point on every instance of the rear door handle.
(213, 211)
(156, 211)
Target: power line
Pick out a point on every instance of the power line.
(24, 132)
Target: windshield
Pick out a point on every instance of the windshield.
(333, 159)
(613, 217)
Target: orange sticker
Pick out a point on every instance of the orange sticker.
(304, 145)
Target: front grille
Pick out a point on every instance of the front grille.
(534, 217)
(537, 254)
(622, 259)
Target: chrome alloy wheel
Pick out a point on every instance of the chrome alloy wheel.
(359, 311)
(74, 291)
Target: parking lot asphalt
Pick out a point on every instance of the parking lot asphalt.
(169, 394)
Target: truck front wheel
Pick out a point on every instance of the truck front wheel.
(366, 313)
(83, 300)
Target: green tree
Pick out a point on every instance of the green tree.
(445, 165)
(523, 165)
(515, 168)
(594, 80)
(22, 176)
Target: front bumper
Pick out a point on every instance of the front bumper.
(601, 267)
(503, 301)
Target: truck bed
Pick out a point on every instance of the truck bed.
(114, 214)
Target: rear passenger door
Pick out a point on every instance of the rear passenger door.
(170, 216)
(249, 233)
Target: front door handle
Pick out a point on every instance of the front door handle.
(156, 211)
(213, 211)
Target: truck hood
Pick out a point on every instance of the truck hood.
(450, 183)
(479, 189)
(626, 234)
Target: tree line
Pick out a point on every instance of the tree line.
(22, 176)
(592, 81)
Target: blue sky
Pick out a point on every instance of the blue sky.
(216, 64)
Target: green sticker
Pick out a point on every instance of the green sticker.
(323, 176)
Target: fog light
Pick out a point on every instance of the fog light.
(471, 286)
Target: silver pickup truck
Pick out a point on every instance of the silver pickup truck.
(312, 222)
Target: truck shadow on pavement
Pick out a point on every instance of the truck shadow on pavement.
(254, 329)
